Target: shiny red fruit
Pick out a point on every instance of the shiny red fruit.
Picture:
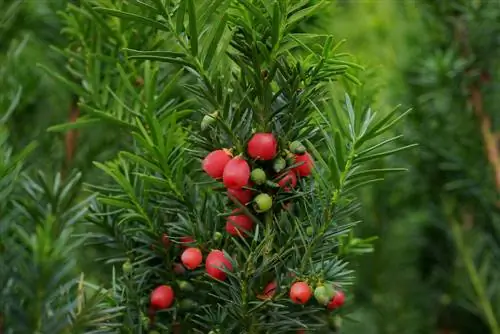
(300, 292)
(337, 301)
(215, 162)
(162, 297)
(241, 195)
(289, 181)
(187, 241)
(268, 291)
(236, 173)
(215, 263)
(191, 258)
(262, 146)
(307, 166)
(238, 223)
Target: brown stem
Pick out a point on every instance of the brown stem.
(72, 135)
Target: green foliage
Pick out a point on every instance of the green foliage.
(246, 62)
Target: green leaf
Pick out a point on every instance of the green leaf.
(305, 12)
(79, 123)
(181, 11)
(365, 158)
(376, 172)
(170, 54)
(221, 26)
(193, 30)
(107, 117)
(162, 59)
(133, 17)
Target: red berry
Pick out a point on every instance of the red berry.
(178, 268)
(337, 301)
(307, 164)
(300, 292)
(289, 181)
(238, 224)
(269, 290)
(165, 240)
(262, 146)
(187, 241)
(241, 195)
(162, 297)
(191, 258)
(215, 263)
(214, 163)
(236, 174)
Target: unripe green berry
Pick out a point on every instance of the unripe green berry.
(217, 236)
(330, 291)
(320, 293)
(187, 304)
(127, 267)
(258, 176)
(309, 231)
(263, 202)
(185, 286)
(279, 164)
(297, 147)
(290, 159)
(208, 120)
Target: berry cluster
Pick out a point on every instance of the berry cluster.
(254, 179)
(258, 177)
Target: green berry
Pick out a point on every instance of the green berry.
(297, 147)
(320, 293)
(263, 202)
(290, 159)
(330, 291)
(258, 176)
(208, 120)
(279, 164)
(217, 236)
(127, 267)
(185, 286)
(309, 231)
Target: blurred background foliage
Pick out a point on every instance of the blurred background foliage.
(434, 268)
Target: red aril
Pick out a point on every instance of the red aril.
(306, 166)
(337, 301)
(162, 297)
(288, 181)
(241, 195)
(269, 291)
(236, 173)
(191, 258)
(187, 241)
(300, 292)
(262, 146)
(215, 264)
(238, 223)
(214, 163)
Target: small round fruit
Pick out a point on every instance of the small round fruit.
(289, 181)
(300, 292)
(238, 223)
(191, 258)
(309, 231)
(337, 301)
(241, 195)
(236, 173)
(297, 147)
(127, 267)
(279, 164)
(262, 146)
(321, 295)
(178, 268)
(259, 176)
(217, 236)
(216, 263)
(208, 120)
(187, 241)
(269, 291)
(263, 202)
(185, 286)
(306, 166)
(162, 297)
(215, 162)
(187, 304)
